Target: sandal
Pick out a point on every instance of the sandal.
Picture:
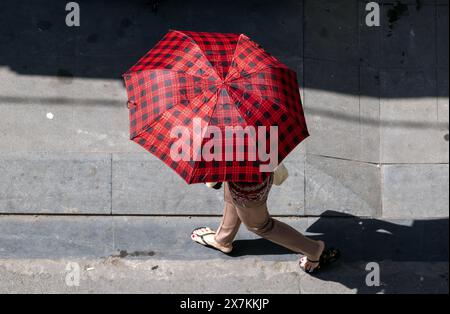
(200, 239)
(328, 257)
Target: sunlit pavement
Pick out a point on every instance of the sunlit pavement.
(78, 198)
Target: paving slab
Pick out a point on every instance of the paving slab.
(52, 183)
(55, 237)
(333, 113)
(406, 188)
(331, 30)
(411, 131)
(342, 185)
(412, 24)
(142, 184)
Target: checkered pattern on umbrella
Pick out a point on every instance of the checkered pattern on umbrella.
(222, 79)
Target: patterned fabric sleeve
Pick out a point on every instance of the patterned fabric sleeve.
(242, 191)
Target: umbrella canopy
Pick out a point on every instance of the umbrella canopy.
(189, 93)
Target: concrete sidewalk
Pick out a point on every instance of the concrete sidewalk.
(155, 255)
(376, 101)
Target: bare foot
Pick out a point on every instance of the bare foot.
(309, 263)
(206, 236)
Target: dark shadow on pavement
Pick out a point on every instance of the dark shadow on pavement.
(371, 240)
(326, 42)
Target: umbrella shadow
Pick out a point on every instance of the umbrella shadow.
(257, 247)
(396, 247)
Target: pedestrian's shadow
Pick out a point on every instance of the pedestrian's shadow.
(397, 247)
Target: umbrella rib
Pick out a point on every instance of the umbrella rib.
(194, 171)
(232, 96)
(260, 96)
(277, 65)
(256, 71)
(234, 55)
(163, 113)
(172, 71)
(283, 107)
(202, 52)
(246, 124)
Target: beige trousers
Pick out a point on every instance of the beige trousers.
(255, 216)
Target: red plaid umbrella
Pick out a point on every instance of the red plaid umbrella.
(222, 80)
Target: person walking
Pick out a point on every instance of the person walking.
(247, 203)
(223, 80)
